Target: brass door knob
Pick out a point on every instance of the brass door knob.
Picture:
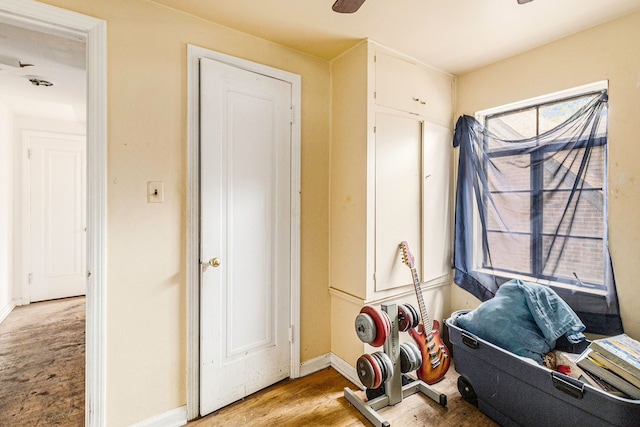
(214, 262)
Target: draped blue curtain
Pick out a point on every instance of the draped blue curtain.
(536, 208)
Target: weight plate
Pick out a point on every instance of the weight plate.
(416, 351)
(381, 322)
(366, 372)
(416, 315)
(383, 368)
(365, 328)
(405, 318)
(387, 323)
(386, 361)
(406, 356)
(377, 371)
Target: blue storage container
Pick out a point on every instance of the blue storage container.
(515, 391)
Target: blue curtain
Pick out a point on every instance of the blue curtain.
(536, 207)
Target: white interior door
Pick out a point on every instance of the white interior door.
(245, 131)
(56, 190)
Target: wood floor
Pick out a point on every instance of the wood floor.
(42, 369)
(42, 364)
(318, 400)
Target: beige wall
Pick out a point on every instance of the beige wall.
(147, 128)
(607, 52)
(147, 133)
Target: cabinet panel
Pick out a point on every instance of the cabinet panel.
(405, 86)
(437, 155)
(398, 200)
(396, 82)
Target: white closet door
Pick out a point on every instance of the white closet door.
(57, 216)
(398, 212)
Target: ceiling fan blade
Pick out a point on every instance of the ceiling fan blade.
(347, 6)
(523, 1)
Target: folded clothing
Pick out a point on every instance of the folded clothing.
(524, 318)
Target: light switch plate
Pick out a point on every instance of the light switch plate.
(155, 192)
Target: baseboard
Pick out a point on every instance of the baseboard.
(331, 360)
(315, 365)
(6, 310)
(346, 370)
(178, 417)
(174, 418)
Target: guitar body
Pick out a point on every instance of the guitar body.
(435, 357)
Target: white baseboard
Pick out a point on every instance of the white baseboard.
(315, 365)
(346, 370)
(6, 310)
(174, 418)
(331, 360)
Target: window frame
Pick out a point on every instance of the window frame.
(479, 254)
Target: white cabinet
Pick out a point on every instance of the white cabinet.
(414, 88)
(390, 173)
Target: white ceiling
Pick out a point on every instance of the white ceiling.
(60, 61)
(453, 35)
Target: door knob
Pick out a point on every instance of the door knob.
(214, 262)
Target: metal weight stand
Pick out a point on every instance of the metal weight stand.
(394, 391)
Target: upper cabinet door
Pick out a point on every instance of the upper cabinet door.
(405, 86)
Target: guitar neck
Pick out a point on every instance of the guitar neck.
(426, 322)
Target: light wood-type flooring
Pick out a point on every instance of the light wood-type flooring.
(42, 364)
(318, 400)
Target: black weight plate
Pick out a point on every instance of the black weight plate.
(405, 359)
(416, 315)
(405, 318)
(386, 361)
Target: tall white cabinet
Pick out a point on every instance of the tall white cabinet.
(391, 162)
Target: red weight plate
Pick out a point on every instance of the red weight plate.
(376, 379)
(383, 327)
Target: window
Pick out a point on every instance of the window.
(545, 197)
(531, 202)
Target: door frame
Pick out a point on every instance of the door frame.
(194, 53)
(25, 287)
(56, 21)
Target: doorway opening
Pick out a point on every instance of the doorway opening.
(91, 32)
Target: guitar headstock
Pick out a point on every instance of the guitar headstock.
(407, 258)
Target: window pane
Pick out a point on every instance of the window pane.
(551, 115)
(582, 256)
(561, 170)
(584, 215)
(514, 212)
(509, 173)
(511, 126)
(510, 252)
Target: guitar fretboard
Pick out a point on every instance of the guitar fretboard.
(426, 322)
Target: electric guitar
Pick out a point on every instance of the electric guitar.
(435, 357)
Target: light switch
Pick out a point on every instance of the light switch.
(155, 192)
